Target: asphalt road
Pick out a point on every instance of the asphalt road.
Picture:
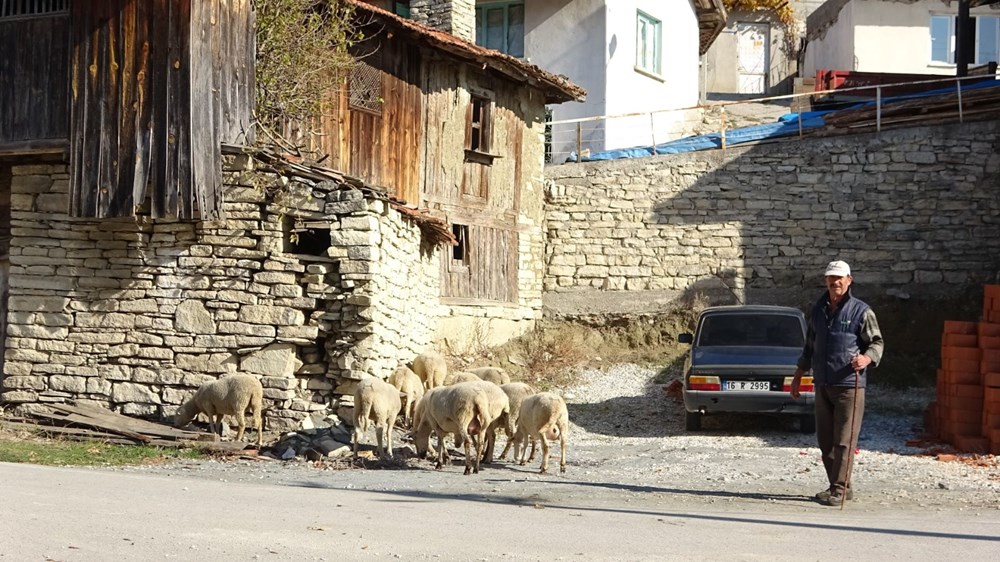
(68, 514)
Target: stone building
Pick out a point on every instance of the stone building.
(147, 248)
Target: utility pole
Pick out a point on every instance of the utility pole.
(965, 37)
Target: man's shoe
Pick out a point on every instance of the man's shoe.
(835, 500)
(823, 496)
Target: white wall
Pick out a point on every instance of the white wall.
(833, 48)
(887, 37)
(630, 91)
(592, 42)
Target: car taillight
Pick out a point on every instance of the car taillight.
(805, 385)
(696, 382)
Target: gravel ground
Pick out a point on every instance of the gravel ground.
(627, 444)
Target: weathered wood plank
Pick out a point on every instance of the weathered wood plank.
(106, 418)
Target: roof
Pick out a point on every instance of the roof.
(711, 21)
(555, 87)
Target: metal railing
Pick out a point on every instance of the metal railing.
(570, 140)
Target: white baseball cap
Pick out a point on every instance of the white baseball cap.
(838, 269)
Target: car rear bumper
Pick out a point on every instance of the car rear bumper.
(748, 402)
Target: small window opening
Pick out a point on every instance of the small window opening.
(460, 251)
(479, 124)
(29, 8)
(366, 87)
(306, 239)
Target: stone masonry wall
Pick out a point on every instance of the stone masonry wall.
(914, 208)
(135, 314)
(457, 17)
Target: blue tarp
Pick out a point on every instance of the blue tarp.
(786, 125)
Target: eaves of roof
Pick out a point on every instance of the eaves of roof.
(711, 21)
(555, 88)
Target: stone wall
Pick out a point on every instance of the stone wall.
(457, 17)
(134, 314)
(915, 208)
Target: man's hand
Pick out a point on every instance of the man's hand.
(796, 382)
(859, 362)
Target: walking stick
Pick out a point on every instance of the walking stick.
(850, 451)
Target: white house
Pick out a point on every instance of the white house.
(915, 37)
(632, 56)
(756, 54)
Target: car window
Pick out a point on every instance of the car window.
(751, 329)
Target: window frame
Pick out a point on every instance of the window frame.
(952, 38)
(479, 129)
(641, 46)
(460, 252)
(481, 25)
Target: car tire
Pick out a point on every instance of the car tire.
(693, 421)
(807, 423)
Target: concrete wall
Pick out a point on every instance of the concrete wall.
(135, 314)
(911, 209)
(720, 72)
(887, 37)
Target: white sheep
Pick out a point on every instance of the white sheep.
(516, 393)
(431, 367)
(499, 413)
(232, 395)
(378, 401)
(543, 416)
(461, 409)
(495, 375)
(410, 386)
(460, 376)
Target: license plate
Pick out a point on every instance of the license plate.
(752, 386)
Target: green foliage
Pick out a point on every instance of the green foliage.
(302, 49)
(69, 453)
(781, 8)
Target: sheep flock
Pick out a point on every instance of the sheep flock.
(469, 408)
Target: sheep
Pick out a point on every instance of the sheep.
(378, 401)
(231, 395)
(461, 409)
(543, 416)
(516, 393)
(499, 414)
(411, 387)
(431, 367)
(461, 376)
(495, 375)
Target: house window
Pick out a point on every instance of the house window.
(28, 8)
(987, 33)
(460, 251)
(401, 8)
(647, 45)
(480, 111)
(365, 88)
(500, 26)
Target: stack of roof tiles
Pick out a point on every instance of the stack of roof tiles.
(966, 413)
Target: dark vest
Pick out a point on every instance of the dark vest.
(838, 339)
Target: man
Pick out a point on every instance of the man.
(842, 341)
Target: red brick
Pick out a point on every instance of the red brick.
(972, 443)
(965, 428)
(988, 329)
(966, 365)
(991, 291)
(966, 416)
(989, 366)
(957, 327)
(989, 342)
(992, 315)
(991, 420)
(962, 353)
(989, 355)
(991, 394)
(991, 379)
(964, 402)
(960, 340)
(962, 377)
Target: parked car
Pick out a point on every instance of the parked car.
(742, 359)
